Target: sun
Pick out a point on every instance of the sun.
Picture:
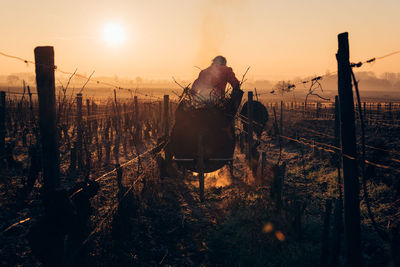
(114, 33)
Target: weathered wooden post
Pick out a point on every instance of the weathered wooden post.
(348, 138)
(107, 139)
(378, 111)
(2, 125)
(117, 127)
(166, 115)
(79, 153)
(94, 124)
(281, 120)
(137, 122)
(337, 122)
(250, 125)
(44, 66)
(365, 113)
(136, 111)
(168, 155)
(88, 120)
(160, 119)
(338, 212)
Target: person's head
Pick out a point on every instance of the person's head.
(219, 60)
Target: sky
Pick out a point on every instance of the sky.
(278, 39)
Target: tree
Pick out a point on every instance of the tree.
(12, 78)
(282, 87)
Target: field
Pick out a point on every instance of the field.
(128, 206)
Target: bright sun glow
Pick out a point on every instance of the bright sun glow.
(113, 33)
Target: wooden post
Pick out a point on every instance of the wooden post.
(2, 125)
(79, 153)
(107, 138)
(138, 128)
(250, 125)
(88, 120)
(365, 113)
(117, 127)
(200, 166)
(317, 110)
(44, 59)
(281, 120)
(337, 122)
(94, 123)
(136, 107)
(378, 111)
(160, 119)
(350, 172)
(166, 115)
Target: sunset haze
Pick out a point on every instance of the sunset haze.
(277, 39)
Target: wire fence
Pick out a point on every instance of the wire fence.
(377, 115)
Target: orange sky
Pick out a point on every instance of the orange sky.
(278, 39)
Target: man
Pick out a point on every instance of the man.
(211, 83)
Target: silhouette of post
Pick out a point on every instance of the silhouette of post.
(117, 123)
(250, 124)
(337, 122)
(160, 119)
(166, 115)
(88, 120)
(79, 131)
(2, 125)
(136, 119)
(350, 172)
(281, 120)
(44, 66)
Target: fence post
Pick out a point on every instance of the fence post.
(44, 67)
(88, 120)
(136, 113)
(2, 125)
(365, 113)
(281, 120)
(117, 127)
(318, 110)
(79, 154)
(350, 172)
(337, 122)
(166, 115)
(160, 119)
(378, 111)
(138, 128)
(250, 125)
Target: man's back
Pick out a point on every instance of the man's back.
(212, 81)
